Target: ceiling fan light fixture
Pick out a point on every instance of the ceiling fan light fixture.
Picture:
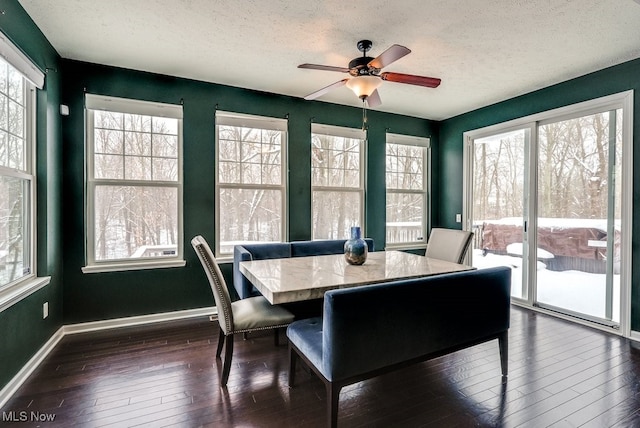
(363, 86)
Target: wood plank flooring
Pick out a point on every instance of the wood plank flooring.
(560, 375)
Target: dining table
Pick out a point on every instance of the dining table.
(293, 279)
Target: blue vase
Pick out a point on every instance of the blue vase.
(355, 249)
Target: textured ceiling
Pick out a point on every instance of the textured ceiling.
(484, 51)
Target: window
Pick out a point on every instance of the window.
(250, 180)
(337, 180)
(134, 184)
(17, 180)
(407, 190)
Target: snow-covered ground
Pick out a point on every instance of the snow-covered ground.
(574, 290)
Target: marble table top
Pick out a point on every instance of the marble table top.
(305, 278)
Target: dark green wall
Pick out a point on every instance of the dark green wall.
(97, 296)
(60, 156)
(609, 81)
(22, 329)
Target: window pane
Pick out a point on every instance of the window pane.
(108, 120)
(332, 157)
(405, 217)
(137, 168)
(16, 88)
(228, 151)
(4, 148)
(4, 111)
(14, 229)
(4, 73)
(163, 125)
(229, 172)
(16, 119)
(137, 123)
(137, 144)
(405, 167)
(334, 212)
(257, 154)
(108, 141)
(109, 166)
(141, 154)
(165, 145)
(16, 153)
(135, 222)
(249, 215)
(165, 169)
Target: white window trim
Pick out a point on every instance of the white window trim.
(353, 133)
(225, 118)
(14, 292)
(130, 106)
(20, 62)
(410, 140)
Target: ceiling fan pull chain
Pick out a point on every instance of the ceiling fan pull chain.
(364, 114)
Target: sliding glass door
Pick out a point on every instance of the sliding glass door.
(549, 195)
(578, 223)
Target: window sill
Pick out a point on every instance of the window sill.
(119, 267)
(14, 293)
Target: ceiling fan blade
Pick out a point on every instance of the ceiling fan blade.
(392, 54)
(324, 67)
(429, 82)
(326, 89)
(374, 100)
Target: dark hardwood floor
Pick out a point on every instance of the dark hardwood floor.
(560, 375)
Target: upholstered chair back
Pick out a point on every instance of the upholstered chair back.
(217, 282)
(448, 244)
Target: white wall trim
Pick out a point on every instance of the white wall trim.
(635, 335)
(137, 320)
(12, 386)
(24, 373)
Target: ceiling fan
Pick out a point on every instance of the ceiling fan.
(367, 76)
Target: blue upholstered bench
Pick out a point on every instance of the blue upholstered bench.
(369, 330)
(277, 250)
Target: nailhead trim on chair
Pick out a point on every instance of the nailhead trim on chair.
(225, 308)
(250, 330)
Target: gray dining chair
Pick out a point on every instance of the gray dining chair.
(242, 316)
(448, 244)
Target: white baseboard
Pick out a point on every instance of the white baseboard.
(24, 373)
(137, 320)
(635, 336)
(10, 388)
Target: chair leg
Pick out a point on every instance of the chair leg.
(276, 336)
(292, 366)
(333, 400)
(226, 367)
(503, 343)
(220, 343)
